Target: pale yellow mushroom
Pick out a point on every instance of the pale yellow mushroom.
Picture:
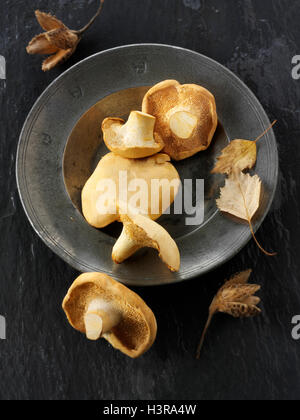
(186, 117)
(135, 139)
(99, 307)
(121, 172)
(115, 169)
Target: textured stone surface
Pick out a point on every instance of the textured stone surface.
(43, 358)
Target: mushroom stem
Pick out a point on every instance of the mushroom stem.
(100, 318)
(140, 232)
(125, 247)
(140, 126)
(182, 124)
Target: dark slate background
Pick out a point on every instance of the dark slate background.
(43, 358)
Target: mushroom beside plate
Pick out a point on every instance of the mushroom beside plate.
(61, 144)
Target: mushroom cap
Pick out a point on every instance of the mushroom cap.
(187, 109)
(135, 139)
(110, 167)
(136, 332)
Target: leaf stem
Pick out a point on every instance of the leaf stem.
(266, 131)
(200, 346)
(88, 25)
(269, 254)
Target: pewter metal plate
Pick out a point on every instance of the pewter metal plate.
(61, 143)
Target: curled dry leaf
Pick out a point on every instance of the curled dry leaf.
(241, 198)
(58, 40)
(235, 298)
(239, 155)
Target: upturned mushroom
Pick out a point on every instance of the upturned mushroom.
(100, 307)
(140, 232)
(117, 178)
(135, 139)
(186, 117)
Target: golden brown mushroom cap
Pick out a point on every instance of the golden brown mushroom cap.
(136, 331)
(186, 117)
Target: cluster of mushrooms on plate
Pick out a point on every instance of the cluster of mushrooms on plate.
(177, 121)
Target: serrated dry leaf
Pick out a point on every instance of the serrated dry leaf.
(58, 41)
(238, 156)
(241, 198)
(235, 298)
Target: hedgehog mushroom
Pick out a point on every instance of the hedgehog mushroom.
(100, 307)
(121, 172)
(134, 140)
(140, 232)
(186, 117)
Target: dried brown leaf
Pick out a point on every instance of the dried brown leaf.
(235, 298)
(238, 155)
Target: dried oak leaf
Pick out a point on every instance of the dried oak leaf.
(241, 198)
(235, 298)
(238, 156)
(58, 41)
